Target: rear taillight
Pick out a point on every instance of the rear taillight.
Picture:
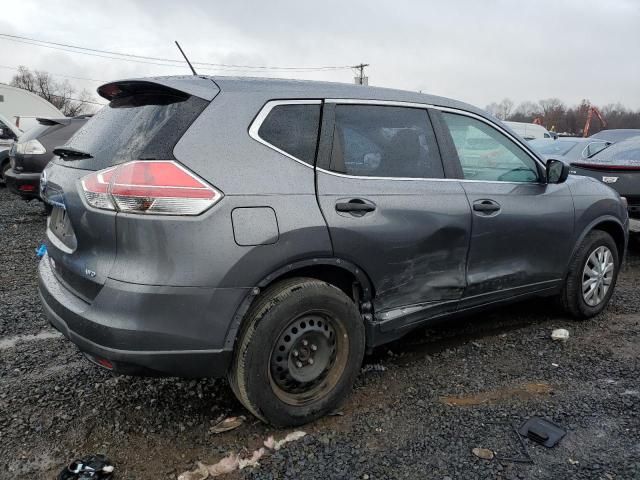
(160, 187)
(31, 147)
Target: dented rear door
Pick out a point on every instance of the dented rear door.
(389, 209)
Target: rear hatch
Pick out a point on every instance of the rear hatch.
(617, 165)
(143, 121)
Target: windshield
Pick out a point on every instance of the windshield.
(138, 127)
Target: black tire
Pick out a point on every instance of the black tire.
(572, 296)
(4, 167)
(267, 366)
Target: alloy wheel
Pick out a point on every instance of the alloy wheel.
(597, 276)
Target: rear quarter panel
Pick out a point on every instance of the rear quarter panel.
(202, 250)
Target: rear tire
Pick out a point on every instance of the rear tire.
(592, 276)
(4, 167)
(299, 352)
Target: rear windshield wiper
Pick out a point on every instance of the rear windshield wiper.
(596, 153)
(70, 153)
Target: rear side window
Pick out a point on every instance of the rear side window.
(486, 154)
(137, 127)
(384, 141)
(293, 128)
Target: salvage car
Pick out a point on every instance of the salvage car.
(33, 151)
(9, 133)
(569, 149)
(273, 231)
(619, 167)
(616, 134)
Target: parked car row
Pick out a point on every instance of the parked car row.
(273, 231)
(30, 154)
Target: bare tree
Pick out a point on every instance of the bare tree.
(505, 108)
(501, 110)
(62, 95)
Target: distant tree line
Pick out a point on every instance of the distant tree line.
(556, 116)
(60, 94)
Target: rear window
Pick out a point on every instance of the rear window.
(293, 128)
(384, 141)
(34, 132)
(137, 127)
(625, 152)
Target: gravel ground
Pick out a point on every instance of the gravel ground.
(442, 392)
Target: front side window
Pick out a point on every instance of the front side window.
(384, 141)
(486, 154)
(293, 128)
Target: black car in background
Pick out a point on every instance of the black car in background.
(619, 167)
(616, 134)
(33, 150)
(569, 149)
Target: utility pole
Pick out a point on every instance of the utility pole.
(361, 79)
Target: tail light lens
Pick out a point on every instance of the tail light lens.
(160, 187)
(31, 147)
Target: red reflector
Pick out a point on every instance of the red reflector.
(105, 363)
(27, 188)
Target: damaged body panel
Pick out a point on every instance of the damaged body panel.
(191, 210)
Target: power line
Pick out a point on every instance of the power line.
(167, 62)
(61, 96)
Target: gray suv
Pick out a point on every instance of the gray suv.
(273, 231)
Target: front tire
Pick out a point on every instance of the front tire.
(592, 276)
(299, 352)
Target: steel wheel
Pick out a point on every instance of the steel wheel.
(308, 358)
(597, 276)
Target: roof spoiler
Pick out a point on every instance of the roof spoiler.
(181, 86)
(115, 90)
(53, 121)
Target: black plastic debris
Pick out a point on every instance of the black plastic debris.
(91, 467)
(542, 431)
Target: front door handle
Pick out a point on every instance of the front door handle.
(486, 206)
(355, 206)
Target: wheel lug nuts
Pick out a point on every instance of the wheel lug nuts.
(305, 343)
(313, 347)
(295, 353)
(311, 361)
(299, 364)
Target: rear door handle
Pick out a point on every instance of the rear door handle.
(486, 206)
(355, 205)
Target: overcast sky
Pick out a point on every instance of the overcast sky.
(475, 51)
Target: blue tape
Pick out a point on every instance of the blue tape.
(41, 251)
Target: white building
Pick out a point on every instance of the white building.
(22, 107)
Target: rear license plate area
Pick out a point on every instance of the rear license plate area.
(60, 226)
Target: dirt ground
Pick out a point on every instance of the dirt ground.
(419, 407)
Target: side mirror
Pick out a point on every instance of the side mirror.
(557, 171)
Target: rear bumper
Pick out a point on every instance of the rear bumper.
(26, 185)
(142, 329)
